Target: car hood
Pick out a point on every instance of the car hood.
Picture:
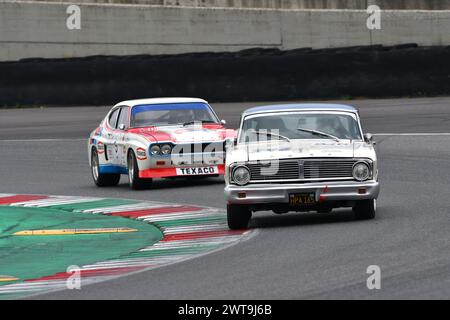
(188, 134)
(301, 149)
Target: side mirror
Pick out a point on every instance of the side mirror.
(230, 144)
(223, 122)
(368, 137)
(122, 127)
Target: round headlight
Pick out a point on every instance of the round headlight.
(166, 149)
(155, 149)
(241, 175)
(361, 171)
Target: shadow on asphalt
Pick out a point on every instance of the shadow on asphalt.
(301, 219)
(177, 183)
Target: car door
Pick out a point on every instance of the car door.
(120, 136)
(110, 137)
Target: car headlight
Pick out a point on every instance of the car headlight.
(155, 149)
(361, 171)
(166, 149)
(241, 175)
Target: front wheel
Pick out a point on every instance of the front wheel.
(134, 181)
(101, 179)
(365, 209)
(238, 216)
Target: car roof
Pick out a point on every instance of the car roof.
(300, 107)
(132, 103)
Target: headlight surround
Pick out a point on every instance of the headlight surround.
(155, 149)
(241, 175)
(166, 149)
(361, 171)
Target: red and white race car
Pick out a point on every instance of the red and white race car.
(158, 138)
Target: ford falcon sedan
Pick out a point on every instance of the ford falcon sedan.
(158, 138)
(300, 157)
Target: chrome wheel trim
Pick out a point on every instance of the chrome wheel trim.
(375, 205)
(94, 166)
(130, 169)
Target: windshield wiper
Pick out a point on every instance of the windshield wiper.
(267, 133)
(319, 133)
(197, 121)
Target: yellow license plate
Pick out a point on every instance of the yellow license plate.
(302, 199)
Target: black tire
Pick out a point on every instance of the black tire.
(238, 216)
(134, 181)
(101, 179)
(365, 209)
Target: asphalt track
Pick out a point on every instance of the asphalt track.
(294, 256)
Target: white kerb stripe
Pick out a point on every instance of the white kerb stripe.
(54, 202)
(204, 227)
(123, 208)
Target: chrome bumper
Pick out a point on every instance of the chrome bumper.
(279, 193)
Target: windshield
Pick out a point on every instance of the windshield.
(319, 125)
(171, 114)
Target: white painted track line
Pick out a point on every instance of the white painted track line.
(413, 134)
(42, 140)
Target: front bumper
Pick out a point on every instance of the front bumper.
(171, 172)
(279, 193)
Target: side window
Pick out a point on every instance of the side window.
(123, 117)
(113, 118)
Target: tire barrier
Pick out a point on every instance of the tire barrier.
(248, 75)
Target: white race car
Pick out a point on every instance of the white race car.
(158, 138)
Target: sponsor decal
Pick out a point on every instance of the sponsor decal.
(100, 147)
(197, 171)
(141, 154)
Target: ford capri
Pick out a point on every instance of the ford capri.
(158, 138)
(302, 158)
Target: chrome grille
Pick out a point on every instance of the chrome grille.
(276, 170)
(199, 147)
(328, 169)
(207, 153)
(302, 169)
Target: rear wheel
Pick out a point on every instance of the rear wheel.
(365, 209)
(101, 179)
(238, 216)
(134, 181)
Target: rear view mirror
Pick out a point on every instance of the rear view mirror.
(368, 137)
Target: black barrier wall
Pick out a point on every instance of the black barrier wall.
(249, 75)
